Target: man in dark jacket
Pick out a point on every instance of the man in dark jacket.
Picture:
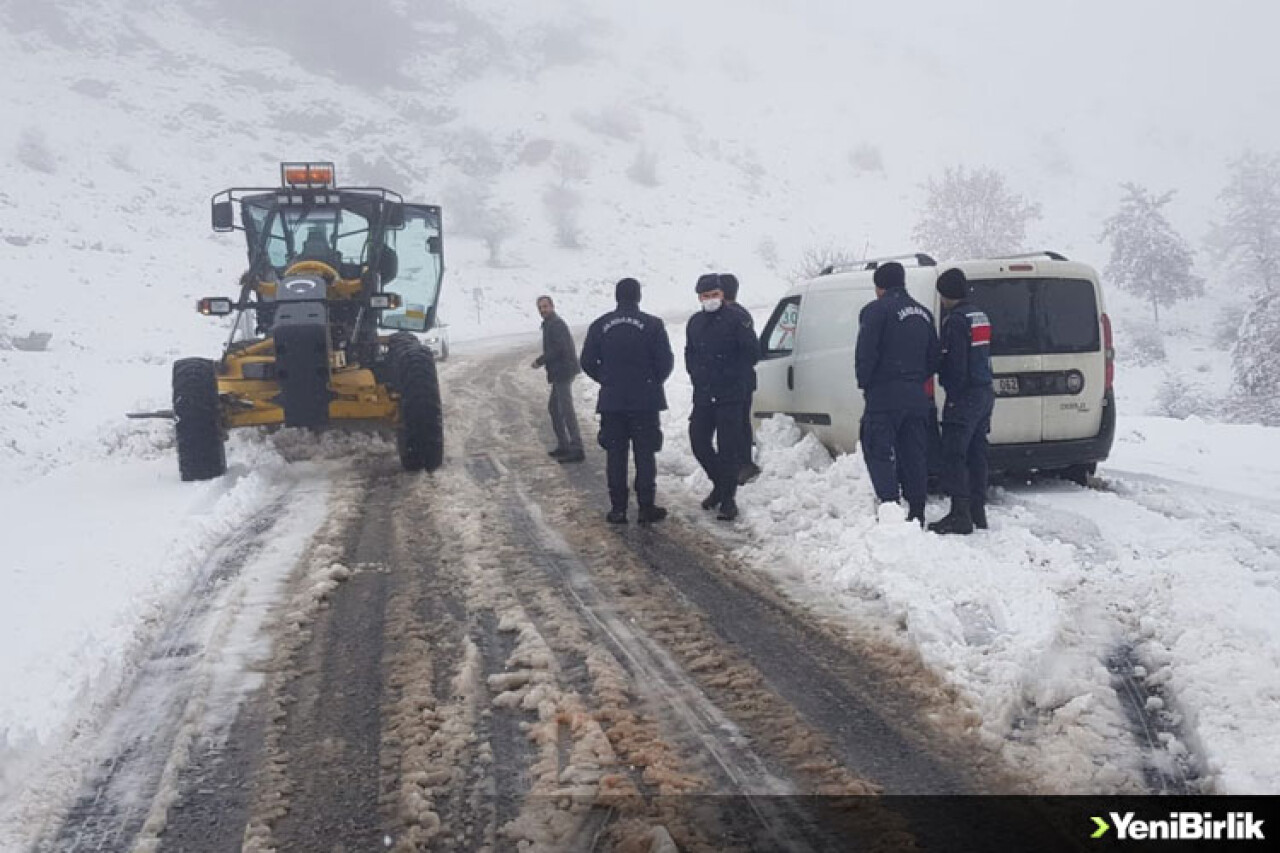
(560, 358)
(629, 354)
(965, 374)
(720, 353)
(897, 351)
(748, 470)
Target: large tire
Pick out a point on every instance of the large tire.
(202, 455)
(420, 438)
(400, 342)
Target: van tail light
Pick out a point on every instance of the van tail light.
(928, 388)
(1109, 348)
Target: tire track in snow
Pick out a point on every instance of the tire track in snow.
(151, 732)
(1150, 708)
(599, 567)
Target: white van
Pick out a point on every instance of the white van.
(1051, 353)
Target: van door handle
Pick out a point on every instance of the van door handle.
(791, 377)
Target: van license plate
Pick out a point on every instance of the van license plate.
(1007, 386)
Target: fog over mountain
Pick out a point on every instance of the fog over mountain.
(572, 143)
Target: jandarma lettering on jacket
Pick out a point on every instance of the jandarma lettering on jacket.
(635, 321)
(912, 311)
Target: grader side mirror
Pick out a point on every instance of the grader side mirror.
(224, 216)
(388, 264)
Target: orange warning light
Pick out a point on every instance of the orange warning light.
(313, 175)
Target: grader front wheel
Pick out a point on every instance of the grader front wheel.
(202, 454)
(420, 438)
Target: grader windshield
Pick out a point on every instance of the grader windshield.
(328, 234)
(369, 237)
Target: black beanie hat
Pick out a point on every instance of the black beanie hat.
(708, 281)
(953, 285)
(890, 275)
(729, 284)
(627, 290)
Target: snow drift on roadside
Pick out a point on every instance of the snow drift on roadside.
(1176, 563)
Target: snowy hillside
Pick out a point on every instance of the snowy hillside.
(570, 145)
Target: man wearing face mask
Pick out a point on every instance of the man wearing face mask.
(748, 469)
(720, 353)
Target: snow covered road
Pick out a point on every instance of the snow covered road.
(477, 656)
(331, 648)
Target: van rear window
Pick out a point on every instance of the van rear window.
(1039, 315)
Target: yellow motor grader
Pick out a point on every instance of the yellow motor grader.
(329, 267)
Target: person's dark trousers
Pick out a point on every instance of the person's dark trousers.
(893, 441)
(748, 438)
(933, 446)
(965, 424)
(715, 435)
(564, 420)
(933, 453)
(621, 435)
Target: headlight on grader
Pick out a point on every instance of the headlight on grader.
(384, 301)
(215, 306)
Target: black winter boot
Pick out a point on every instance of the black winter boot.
(728, 511)
(712, 500)
(650, 513)
(617, 516)
(978, 512)
(915, 512)
(956, 521)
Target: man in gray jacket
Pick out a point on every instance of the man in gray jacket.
(560, 358)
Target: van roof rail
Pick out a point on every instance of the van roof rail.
(921, 259)
(1054, 256)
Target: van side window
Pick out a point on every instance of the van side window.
(779, 337)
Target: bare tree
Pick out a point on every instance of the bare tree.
(1254, 355)
(644, 168)
(866, 158)
(562, 204)
(1247, 242)
(1148, 257)
(972, 215)
(498, 225)
(822, 257)
(474, 212)
(1248, 239)
(571, 164)
(474, 153)
(767, 251)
